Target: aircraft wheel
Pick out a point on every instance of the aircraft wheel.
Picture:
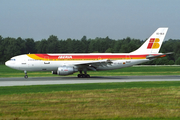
(83, 76)
(87, 76)
(26, 76)
(79, 76)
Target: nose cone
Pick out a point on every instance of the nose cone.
(7, 63)
(10, 64)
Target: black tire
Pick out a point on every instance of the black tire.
(79, 76)
(25, 76)
(87, 76)
(83, 76)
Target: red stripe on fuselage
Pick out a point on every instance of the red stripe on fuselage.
(66, 56)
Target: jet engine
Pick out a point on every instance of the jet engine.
(65, 70)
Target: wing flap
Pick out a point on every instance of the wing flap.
(92, 65)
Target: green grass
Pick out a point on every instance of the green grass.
(111, 101)
(143, 70)
(90, 86)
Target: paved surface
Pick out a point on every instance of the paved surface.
(75, 80)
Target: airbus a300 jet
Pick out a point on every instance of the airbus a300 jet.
(67, 64)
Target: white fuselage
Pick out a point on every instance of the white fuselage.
(25, 63)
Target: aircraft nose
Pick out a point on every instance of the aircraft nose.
(10, 64)
(7, 63)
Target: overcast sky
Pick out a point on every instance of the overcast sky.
(38, 19)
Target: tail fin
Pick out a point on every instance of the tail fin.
(153, 43)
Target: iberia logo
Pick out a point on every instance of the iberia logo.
(153, 43)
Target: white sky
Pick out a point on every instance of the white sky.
(38, 19)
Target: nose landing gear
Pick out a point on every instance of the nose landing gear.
(26, 76)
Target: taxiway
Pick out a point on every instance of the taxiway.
(75, 80)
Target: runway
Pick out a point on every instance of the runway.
(75, 80)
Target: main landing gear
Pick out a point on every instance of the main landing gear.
(26, 76)
(85, 75)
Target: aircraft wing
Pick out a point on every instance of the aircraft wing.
(157, 56)
(92, 65)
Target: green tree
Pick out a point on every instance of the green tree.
(30, 45)
(53, 44)
(12, 48)
(69, 45)
(171, 62)
(92, 46)
(109, 50)
(84, 45)
(22, 45)
(117, 46)
(42, 46)
(62, 46)
(178, 61)
(1, 49)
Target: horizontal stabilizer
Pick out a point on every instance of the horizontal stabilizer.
(158, 56)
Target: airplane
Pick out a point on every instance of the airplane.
(67, 64)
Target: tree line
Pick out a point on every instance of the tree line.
(10, 47)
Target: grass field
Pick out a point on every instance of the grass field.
(142, 70)
(138, 100)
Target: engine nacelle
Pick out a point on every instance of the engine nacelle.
(65, 70)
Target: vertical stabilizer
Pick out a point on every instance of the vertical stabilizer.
(153, 43)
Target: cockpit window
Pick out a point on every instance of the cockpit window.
(12, 59)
